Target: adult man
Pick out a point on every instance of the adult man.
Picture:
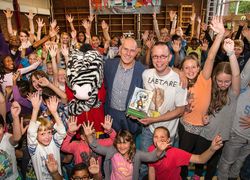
(121, 76)
(169, 97)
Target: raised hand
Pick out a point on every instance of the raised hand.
(86, 24)
(8, 13)
(176, 46)
(245, 122)
(40, 23)
(53, 51)
(52, 104)
(54, 31)
(94, 167)
(15, 109)
(69, 18)
(107, 125)
(145, 35)
(65, 51)
(216, 143)
(217, 25)
(43, 81)
(51, 164)
(88, 128)
(35, 100)
(31, 15)
(228, 45)
(23, 129)
(150, 43)
(172, 15)
(204, 45)
(72, 124)
(163, 144)
(16, 76)
(53, 24)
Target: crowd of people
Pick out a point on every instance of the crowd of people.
(200, 112)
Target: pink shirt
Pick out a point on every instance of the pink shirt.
(121, 168)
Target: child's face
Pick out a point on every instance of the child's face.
(123, 147)
(81, 174)
(95, 42)
(32, 58)
(160, 135)
(49, 69)
(61, 76)
(8, 63)
(44, 137)
(35, 83)
(238, 50)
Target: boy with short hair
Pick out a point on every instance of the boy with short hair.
(169, 166)
(41, 140)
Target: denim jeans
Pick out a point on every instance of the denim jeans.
(233, 155)
(146, 141)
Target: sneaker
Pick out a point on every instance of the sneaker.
(195, 177)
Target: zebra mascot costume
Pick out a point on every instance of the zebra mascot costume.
(85, 77)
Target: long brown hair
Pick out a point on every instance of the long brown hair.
(126, 136)
(219, 97)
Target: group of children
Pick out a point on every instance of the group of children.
(45, 141)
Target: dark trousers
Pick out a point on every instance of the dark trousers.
(202, 145)
(187, 142)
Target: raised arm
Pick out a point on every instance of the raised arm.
(198, 30)
(70, 19)
(229, 48)
(8, 14)
(156, 27)
(87, 26)
(105, 30)
(40, 25)
(15, 112)
(60, 134)
(205, 156)
(218, 27)
(53, 52)
(30, 16)
(2, 106)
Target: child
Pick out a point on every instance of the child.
(80, 149)
(80, 171)
(169, 166)
(8, 166)
(41, 141)
(122, 160)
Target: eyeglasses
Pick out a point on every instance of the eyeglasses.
(155, 57)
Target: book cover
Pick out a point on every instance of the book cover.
(140, 103)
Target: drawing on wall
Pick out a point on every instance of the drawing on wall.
(124, 6)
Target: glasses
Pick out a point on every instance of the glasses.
(155, 57)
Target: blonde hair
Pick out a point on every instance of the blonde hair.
(238, 43)
(45, 124)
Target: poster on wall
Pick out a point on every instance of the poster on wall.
(124, 6)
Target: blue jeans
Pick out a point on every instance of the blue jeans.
(146, 141)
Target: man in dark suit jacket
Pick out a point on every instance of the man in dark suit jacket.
(121, 76)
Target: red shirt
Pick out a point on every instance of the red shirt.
(169, 167)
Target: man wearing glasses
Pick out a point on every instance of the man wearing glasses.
(169, 98)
